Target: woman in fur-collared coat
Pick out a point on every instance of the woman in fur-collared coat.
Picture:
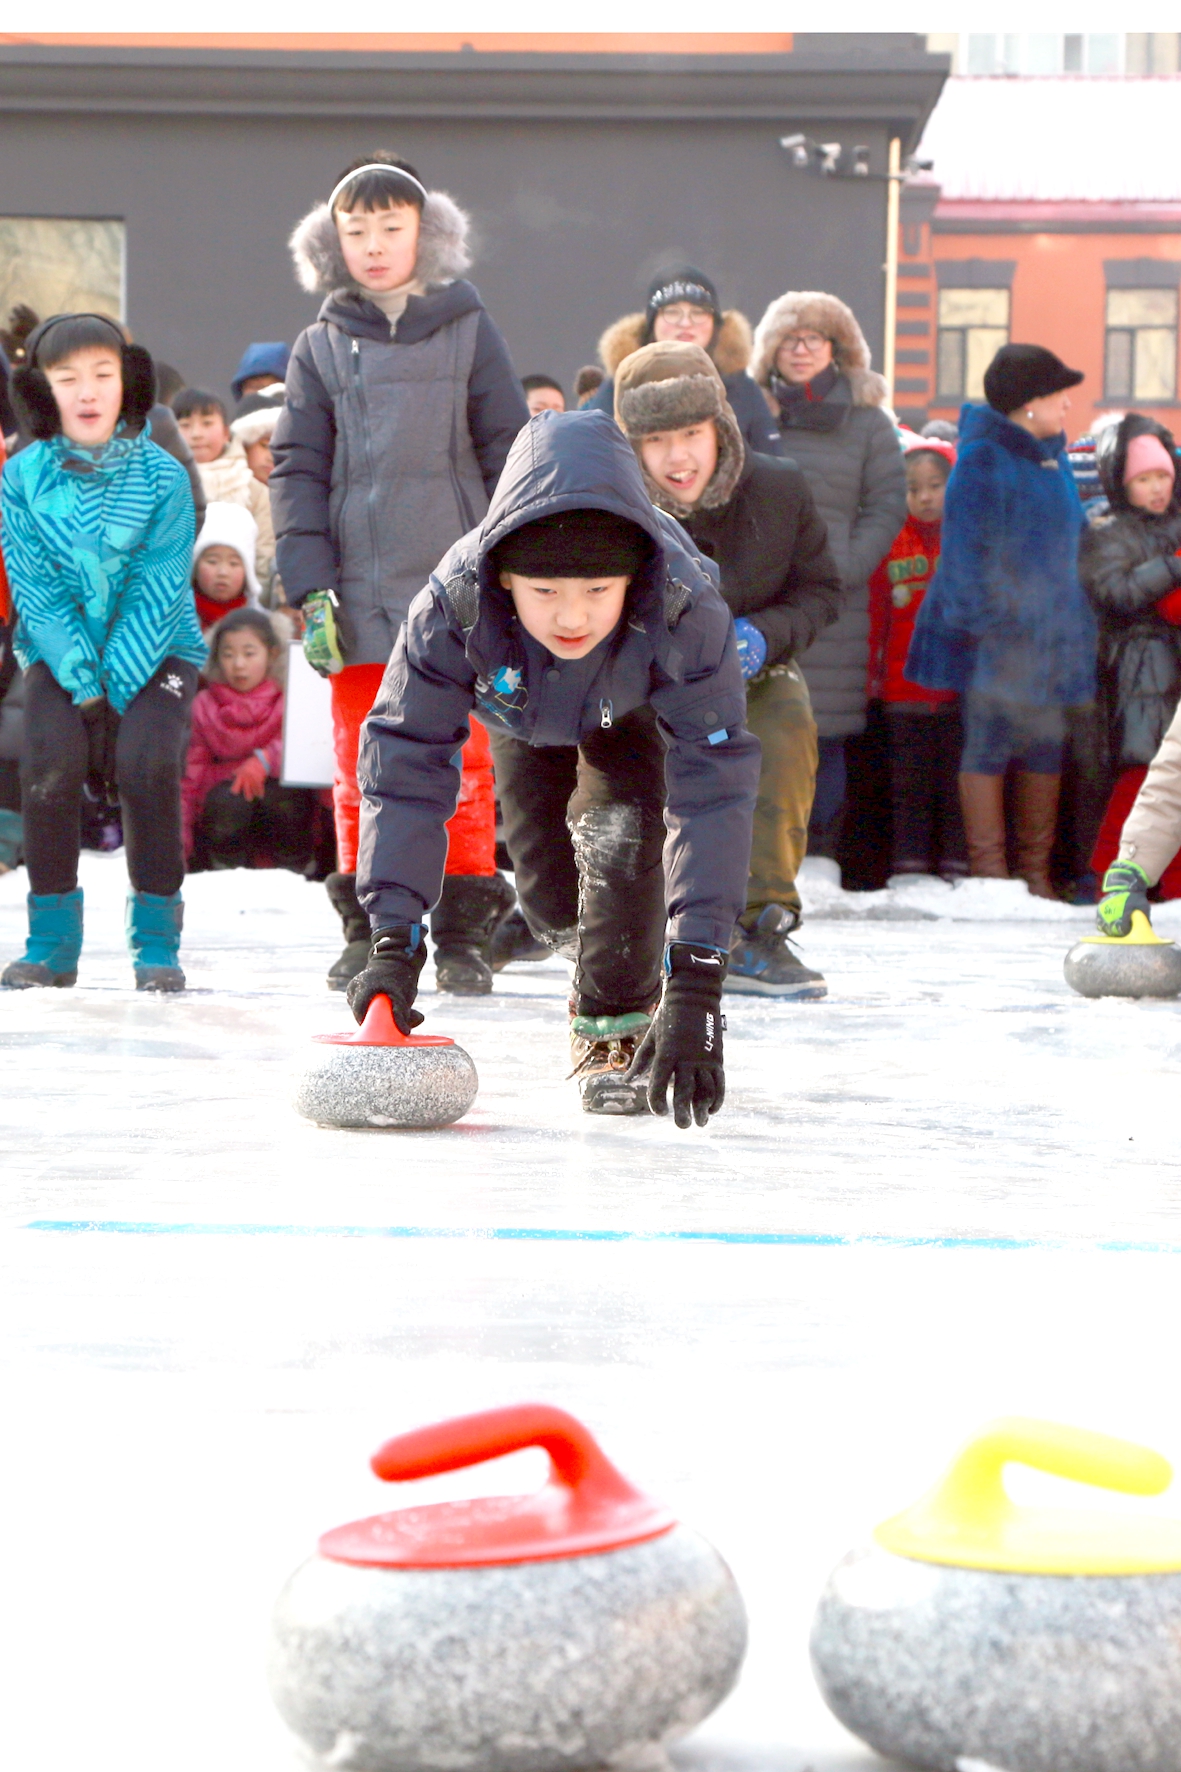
(811, 356)
(683, 308)
(401, 405)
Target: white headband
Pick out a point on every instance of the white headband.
(375, 166)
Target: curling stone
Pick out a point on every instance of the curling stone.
(1022, 1639)
(1141, 964)
(378, 1076)
(577, 1627)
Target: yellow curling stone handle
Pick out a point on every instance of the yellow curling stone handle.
(968, 1520)
(1141, 935)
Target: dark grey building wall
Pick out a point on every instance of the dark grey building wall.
(573, 213)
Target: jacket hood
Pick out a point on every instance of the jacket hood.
(730, 350)
(829, 315)
(231, 526)
(443, 249)
(1112, 437)
(980, 424)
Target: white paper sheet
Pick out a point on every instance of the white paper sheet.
(307, 725)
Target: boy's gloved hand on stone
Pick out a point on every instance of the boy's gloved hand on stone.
(683, 1046)
(1125, 889)
(752, 647)
(321, 642)
(396, 957)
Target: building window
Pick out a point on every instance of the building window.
(61, 265)
(1140, 361)
(973, 325)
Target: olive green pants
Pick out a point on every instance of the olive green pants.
(779, 713)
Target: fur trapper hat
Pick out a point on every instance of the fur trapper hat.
(32, 396)
(666, 387)
(443, 251)
(815, 311)
(730, 350)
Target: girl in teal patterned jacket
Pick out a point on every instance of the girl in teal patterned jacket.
(97, 524)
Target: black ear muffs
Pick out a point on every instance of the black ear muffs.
(139, 387)
(35, 405)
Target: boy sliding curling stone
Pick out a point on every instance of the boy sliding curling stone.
(595, 646)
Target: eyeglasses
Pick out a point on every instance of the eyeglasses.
(680, 314)
(804, 341)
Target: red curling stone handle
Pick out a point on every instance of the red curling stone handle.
(380, 1029)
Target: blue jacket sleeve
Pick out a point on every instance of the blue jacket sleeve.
(303, 445)
(496, 408)
(154, 594)
(50, 621)
(711, 775)
(409, 764)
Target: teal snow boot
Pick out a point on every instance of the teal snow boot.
(153, 937)
(55, 941)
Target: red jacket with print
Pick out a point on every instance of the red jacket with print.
(896, 592)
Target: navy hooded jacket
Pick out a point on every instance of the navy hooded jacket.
(462, 649)
(1005, 612)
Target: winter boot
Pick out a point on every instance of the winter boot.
(602, 1047)
(982, 799)
(153, 937)
(55, 941)
(342, 895)
(1037, 825)
(514, 940)
(462, 926)
(763, 963)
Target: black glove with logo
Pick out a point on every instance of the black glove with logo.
(683, 1046)
(397, 955)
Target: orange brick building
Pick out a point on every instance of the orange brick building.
(1050, 216)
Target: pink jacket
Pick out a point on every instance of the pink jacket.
(228, 727)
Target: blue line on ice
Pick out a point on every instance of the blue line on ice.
(130, 1227)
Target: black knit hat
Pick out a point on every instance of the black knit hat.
(682, 283)
(1025, 372)
(574, 544)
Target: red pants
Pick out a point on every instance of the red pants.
(1106, 847)
(471, 832)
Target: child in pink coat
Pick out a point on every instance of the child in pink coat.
(236, 813)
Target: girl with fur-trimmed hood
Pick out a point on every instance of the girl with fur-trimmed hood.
(811, 356)
(401, 407)
(683, 308)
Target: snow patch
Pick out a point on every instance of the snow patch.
(920, 898)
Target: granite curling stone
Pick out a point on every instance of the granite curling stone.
(1137, 965)
(577, 1628)
(378, 1076)
(974, 1632)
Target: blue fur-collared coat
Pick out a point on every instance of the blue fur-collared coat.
(1006, 613)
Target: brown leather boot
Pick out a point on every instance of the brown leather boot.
(982, 798)
(1037, 822)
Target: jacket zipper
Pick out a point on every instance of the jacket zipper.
(371, 495)
(605, 713)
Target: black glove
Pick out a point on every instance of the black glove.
(396, 957)
(1156, 577)
(684, 1043)
(102, 729)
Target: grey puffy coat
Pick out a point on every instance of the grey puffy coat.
(387, 447)
(858, 480)
(462, 650)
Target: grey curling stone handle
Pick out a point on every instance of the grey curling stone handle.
(1119, 969)
(387, 1086)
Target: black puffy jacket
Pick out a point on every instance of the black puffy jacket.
(1139, 648)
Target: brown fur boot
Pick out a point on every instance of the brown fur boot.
(1037, 822)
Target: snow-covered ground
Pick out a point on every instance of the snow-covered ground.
(948, 1191)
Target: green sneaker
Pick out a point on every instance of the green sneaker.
(602, 1048)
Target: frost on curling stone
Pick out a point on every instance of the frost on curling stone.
(976, 1633)
(578, 1627)
(377, 1076)
(1137, 965)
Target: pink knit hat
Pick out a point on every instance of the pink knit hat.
(1145, 453)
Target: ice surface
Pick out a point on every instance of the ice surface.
(965, 1180)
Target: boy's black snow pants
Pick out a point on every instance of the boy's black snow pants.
(584, 826)
(143, 752)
